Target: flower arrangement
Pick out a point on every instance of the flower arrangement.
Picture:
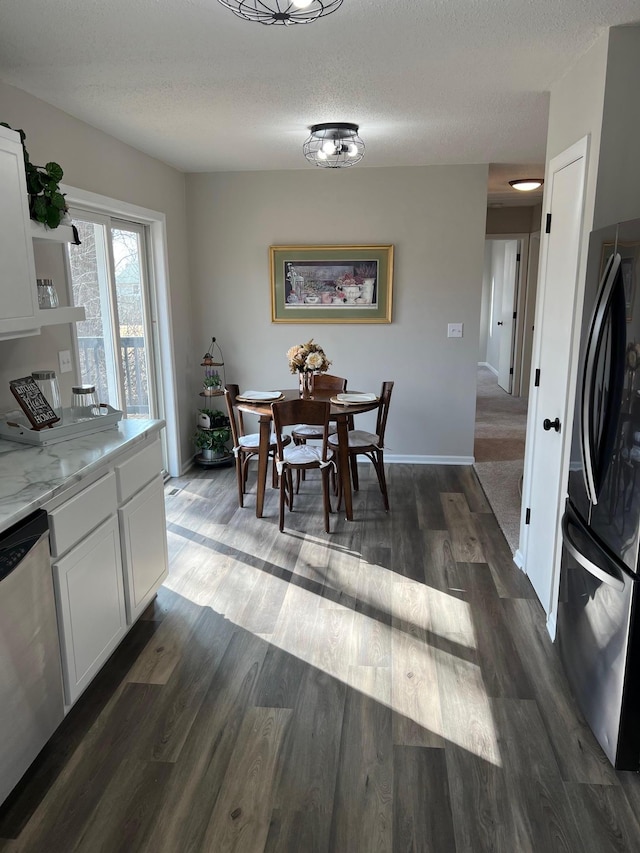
(633, 356)
(307, 358)
(367, 270)
(212, 380)
(347, 280)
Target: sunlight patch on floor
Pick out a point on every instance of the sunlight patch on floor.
(405, 644)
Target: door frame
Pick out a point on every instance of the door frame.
(529, 310)
(520, 300)
(161, 324)
(579, 149)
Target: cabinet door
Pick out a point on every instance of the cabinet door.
(144, 546)
(18, 298)
(90, 603)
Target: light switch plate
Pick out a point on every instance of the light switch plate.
(64, 359)
(454, 330)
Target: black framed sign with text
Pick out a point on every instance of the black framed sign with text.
(33, 403)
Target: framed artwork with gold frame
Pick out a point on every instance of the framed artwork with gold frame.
(331, 284)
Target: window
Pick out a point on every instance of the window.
(110, 278)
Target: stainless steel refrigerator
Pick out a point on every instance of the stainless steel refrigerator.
(598, 624)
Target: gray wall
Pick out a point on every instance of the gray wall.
(94, 161)
(435, 218)
(618, 183)
(513, 220)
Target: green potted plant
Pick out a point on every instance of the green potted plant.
(212, 442)
(212, 382)
(46, 200)
(212, 418)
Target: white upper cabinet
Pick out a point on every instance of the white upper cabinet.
(18, 297)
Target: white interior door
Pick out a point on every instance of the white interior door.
(546, 450)
(529, 312)
(505, 320)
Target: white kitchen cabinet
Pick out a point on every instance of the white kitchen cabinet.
(18, 297)
(108, 542)
(79, 515)
(143, 536)
(91, 609)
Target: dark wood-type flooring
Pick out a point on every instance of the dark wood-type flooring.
(388, 687)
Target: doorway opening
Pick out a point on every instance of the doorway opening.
(504, 367)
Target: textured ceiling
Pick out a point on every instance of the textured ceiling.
(429, 82)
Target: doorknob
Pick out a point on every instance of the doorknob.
(500, 323)
(547, 424)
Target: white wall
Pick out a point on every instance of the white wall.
(94, 161)
(434, 216)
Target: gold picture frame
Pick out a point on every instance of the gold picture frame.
(331, 284)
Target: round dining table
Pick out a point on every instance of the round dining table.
(340, 414)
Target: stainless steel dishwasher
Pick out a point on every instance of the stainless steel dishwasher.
(31, 699)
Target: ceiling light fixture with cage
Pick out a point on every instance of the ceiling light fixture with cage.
(334, 145)
(283, 12)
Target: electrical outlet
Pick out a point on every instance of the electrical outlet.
(64, 359)
(454, 330)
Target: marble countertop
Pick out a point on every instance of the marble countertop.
(31, 476)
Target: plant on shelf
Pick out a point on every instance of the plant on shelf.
(46, 200)
(212, 442)
(212, 382)
(212, 418)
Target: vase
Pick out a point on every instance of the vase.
(305, 378)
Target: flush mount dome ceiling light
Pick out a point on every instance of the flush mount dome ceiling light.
(285, 12)
(525, 185)
(334, 145)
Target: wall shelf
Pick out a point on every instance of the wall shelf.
(58, 316)
(61, 234)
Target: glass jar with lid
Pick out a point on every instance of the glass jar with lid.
(84, 402)
(47, 382)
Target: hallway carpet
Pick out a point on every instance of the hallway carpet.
(501, 424)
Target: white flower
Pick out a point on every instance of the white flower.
(309, 356)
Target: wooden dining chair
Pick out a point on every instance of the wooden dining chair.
(322, 382)
(301, 433)
(302, 457)
(370, 445)
(246, 446)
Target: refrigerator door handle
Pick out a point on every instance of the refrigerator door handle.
(597, 327)
(579, 557)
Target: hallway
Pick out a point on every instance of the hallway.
(501, 426)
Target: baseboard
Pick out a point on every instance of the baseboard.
(551, 626)
(188, 465)
(518, 559)
(489, 366)
(391, 459)
(401, 459)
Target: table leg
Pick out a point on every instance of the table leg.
(263, 462)
(343, 466)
